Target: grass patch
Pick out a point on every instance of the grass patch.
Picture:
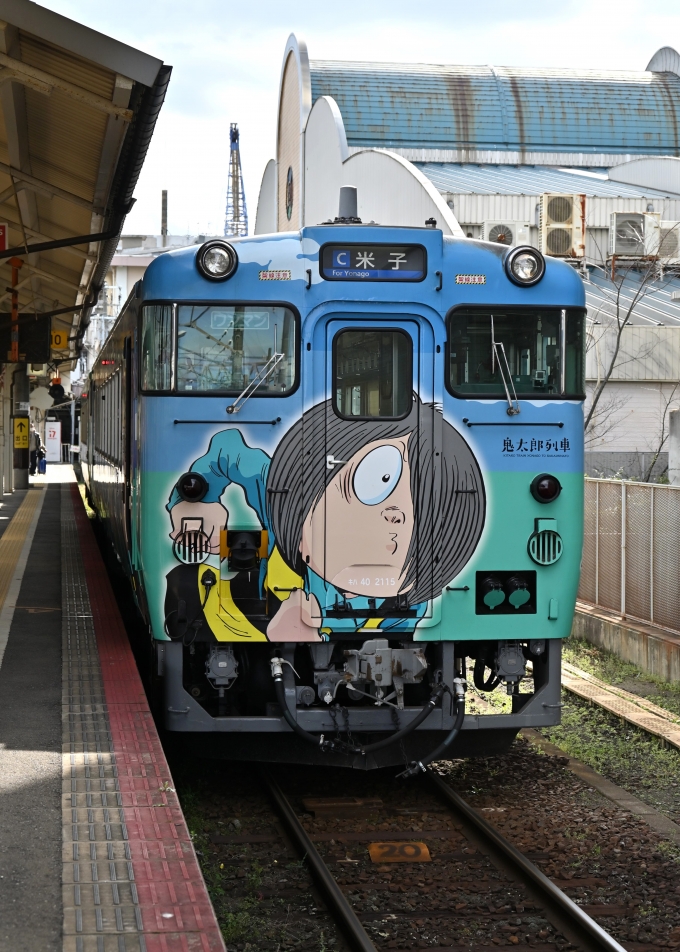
(611, 669)
(629, 757)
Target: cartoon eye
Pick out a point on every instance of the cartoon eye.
(377, 475)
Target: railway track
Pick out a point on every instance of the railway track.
(552, 916)
(317, 888)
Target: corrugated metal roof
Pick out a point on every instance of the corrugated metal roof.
(526, 180)
(430, 106)
(68, 160)
(654, 307)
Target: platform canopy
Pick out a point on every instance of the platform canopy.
(77, 112)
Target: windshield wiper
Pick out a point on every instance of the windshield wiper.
(261, 377)
(498, 352)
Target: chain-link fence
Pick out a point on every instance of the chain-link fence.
(631, 550)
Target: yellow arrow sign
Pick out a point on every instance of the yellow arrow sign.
(21, 432)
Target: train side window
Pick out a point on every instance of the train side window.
(372, 374)
(157, 347)
(486, 345)
(225, 348)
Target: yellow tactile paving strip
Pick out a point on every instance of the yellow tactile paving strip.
(13, 538)
(631, 708)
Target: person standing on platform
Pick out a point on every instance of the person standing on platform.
(34, 444)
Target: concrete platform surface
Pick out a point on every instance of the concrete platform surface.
(95, 855)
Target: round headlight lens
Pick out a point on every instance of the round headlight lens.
(216, 260)
(192, 487)
(545, 488)
(525, 266)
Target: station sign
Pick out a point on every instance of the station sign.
(4, 236)
(59, 339)
(352, 262)
(21, 433)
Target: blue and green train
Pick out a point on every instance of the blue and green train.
(343, 471)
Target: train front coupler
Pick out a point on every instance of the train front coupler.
(277, 664)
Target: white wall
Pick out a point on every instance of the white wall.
(630, 416)
(660, 172)
(646, 353)
(391, 191)
(265, 219)
(325, 153)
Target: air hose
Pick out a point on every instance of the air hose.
(208, 579)
(319, 741)
(481, 683)
(421, 765)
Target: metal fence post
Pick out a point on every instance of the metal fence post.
(651, 555)
(623, 550)
(597, 543)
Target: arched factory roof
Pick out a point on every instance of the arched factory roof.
(397, 105)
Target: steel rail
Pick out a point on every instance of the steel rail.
(586, 926)
(336, 898)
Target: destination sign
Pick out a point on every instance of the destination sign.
(373, 262)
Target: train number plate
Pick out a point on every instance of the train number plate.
(399, 852)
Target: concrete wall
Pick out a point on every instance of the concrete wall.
(652, 649)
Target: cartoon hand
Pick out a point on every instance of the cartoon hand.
(293, 619)
(213, 514)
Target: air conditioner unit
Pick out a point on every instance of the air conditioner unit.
(37, 370)
(669, 243)
(563, 225)
(508, 233)
(634, 234)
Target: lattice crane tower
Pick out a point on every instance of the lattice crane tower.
(236, 220)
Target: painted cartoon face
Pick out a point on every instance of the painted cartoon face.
(367, 516)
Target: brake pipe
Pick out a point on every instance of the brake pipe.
(420, 766)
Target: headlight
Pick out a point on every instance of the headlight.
(525, 266)
(192, 487)
(216, 260)
(545, 488)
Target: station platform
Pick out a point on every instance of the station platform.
(95, 854)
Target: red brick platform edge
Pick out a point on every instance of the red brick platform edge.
(177, 915)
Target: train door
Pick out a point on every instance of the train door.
(127, 446)
(372, 536)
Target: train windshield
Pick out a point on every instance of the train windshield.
(220, 348)
(540, 350)
(228, 347)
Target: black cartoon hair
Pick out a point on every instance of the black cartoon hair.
(448, 495)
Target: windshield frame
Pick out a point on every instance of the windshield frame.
(518, 309)
(175, 305)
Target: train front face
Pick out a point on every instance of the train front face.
(362, 455)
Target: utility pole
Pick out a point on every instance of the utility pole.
(236, 220)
